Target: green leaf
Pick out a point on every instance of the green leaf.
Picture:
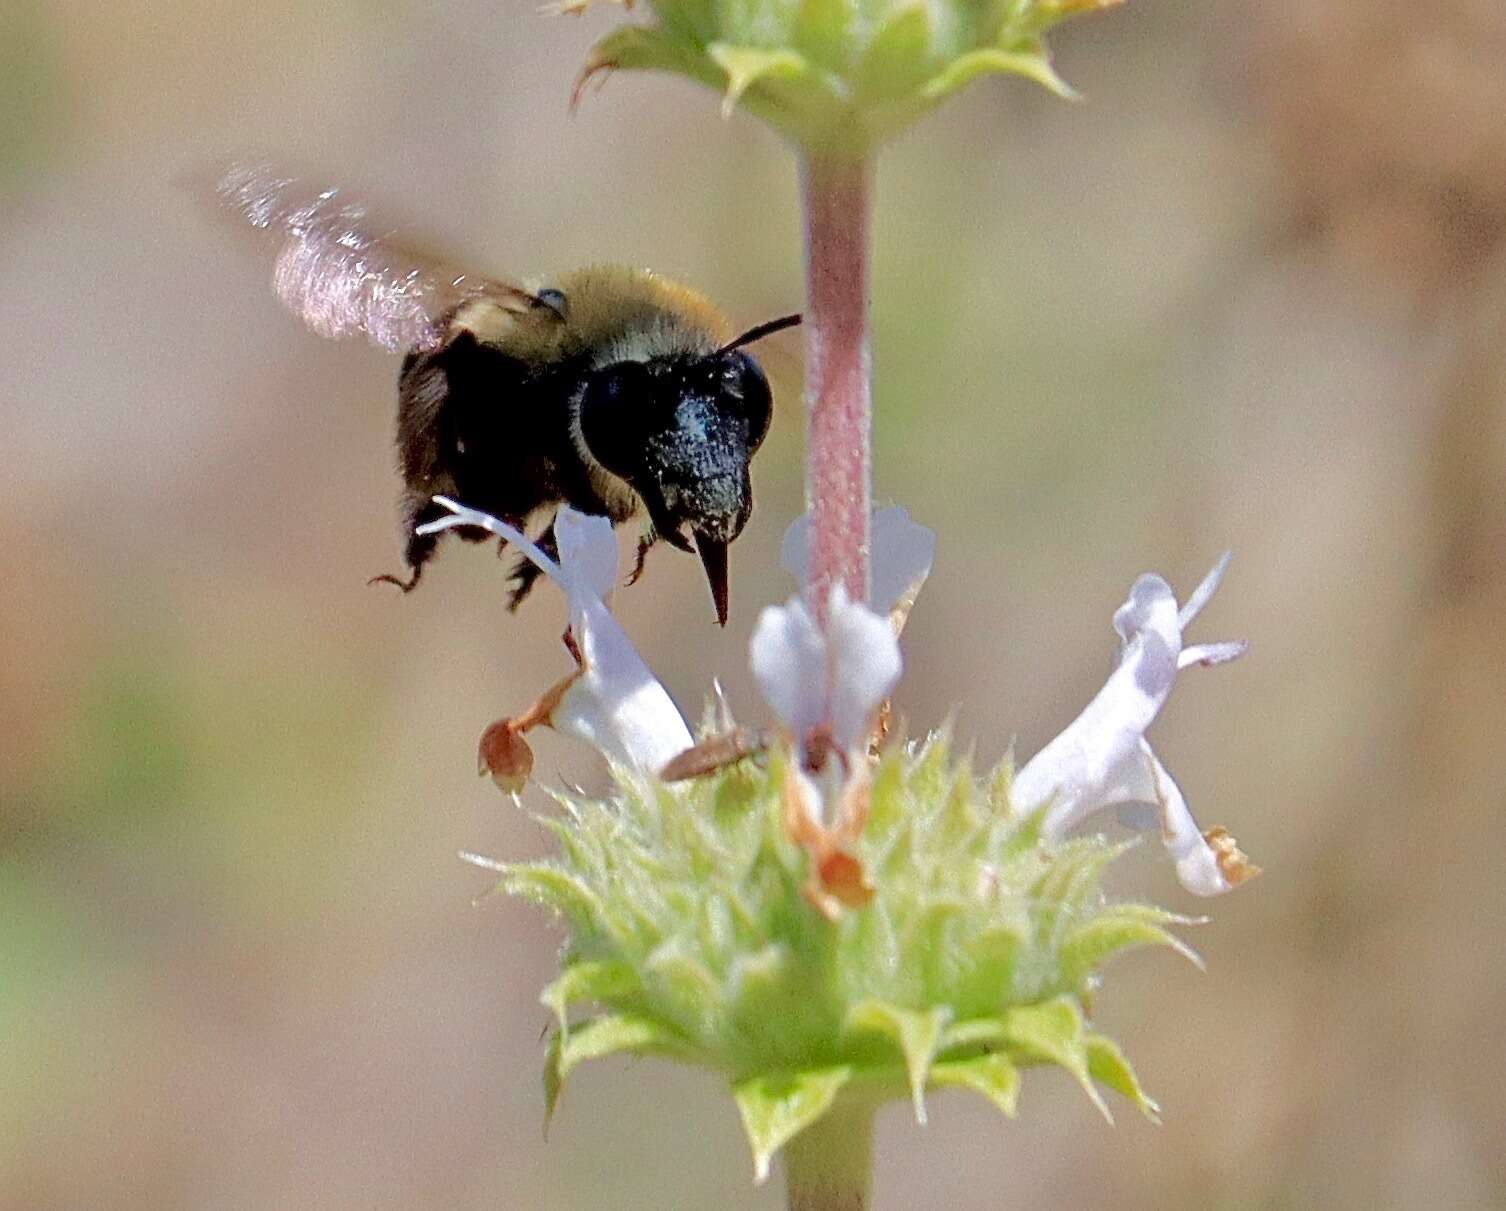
(999, 782)
(763, 992)
(747, 65)
(887, 808)
(975, 1032)
(1108, 1066)
(1088, 945)
(928, 939)
(776, 1108)
(990, 61)
(554, 1083)
(575, 843)
(993, 1075)
(601, 981)
(642, 48)
(688, 20)
(898, 57)
(756, 22)
(681, 984)
(917, 1032)
(615, 1032)
(824, 31)
(930, 769)
(1052, 1031)
(987, 983)
(959, 820)
(549, 885)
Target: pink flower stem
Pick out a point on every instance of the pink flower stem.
(839, 412)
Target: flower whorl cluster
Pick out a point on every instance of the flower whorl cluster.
(837, 918)
(838, 74)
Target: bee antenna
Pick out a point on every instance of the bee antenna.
(759, 331)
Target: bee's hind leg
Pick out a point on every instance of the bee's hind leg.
(407, 586)
(420, 548)
(417, 553)
(645, 544)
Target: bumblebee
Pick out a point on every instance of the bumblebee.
(610, 389)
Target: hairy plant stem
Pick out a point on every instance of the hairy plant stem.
(829, 1165)
(839, 412)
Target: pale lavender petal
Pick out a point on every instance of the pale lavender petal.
(618, 705)
(1081, 773)
(788, 657)
(795, 547)
(1209, 654)
(863, 665)
(1102, 759)
(1143, 795)
(1093, 762)
(588, 551)
(1074, 769)
(1151, 603)
(901, 554)
(1204, 592)
(1197, 865)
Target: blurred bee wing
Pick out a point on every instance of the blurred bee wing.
(343, 279)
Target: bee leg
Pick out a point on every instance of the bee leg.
(420, 547)
(525, 572)
(407, 586)
(645, 544)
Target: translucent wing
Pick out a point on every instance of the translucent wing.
(341, 278)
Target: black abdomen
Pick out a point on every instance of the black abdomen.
(489, 430)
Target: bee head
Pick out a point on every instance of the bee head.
(682, 431)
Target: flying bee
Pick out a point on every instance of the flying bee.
(614, 390)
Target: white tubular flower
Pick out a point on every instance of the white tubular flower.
(825, 686)
(901, 554)
(828, 686)
(1102, 759)
(615, 703)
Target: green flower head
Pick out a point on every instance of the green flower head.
(820, 917)
(697, 933)
(838, 75)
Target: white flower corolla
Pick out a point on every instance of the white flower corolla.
(1102, 759)
(900, 556)
(615, 703)
(826, 682)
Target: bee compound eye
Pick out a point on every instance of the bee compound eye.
(551, 299)
(746, 377)
(611, 416)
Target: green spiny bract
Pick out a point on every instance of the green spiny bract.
(690, 937)
(840, 75)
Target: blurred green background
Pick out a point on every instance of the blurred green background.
(1251, 294)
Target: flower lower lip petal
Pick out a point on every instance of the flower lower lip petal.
(1102, 760)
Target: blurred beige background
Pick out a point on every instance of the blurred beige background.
(1251, 294)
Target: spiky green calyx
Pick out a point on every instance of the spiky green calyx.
(690, 936)
(840, 75)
